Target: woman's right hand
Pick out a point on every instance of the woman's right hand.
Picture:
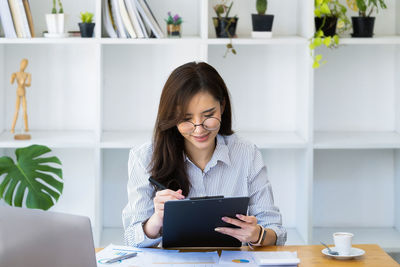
(153, 226)
(162, 197)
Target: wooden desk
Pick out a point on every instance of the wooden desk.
(311, 256)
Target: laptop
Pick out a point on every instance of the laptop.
(37, 238)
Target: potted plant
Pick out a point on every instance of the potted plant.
(363, 25)
(225, 26)
(173, 25)
(31, 178)
(330, 15)
(262, 23)
(87, 25)
(55, 21)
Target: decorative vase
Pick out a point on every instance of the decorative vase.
(86, 29)
(225, 27)
(174, 30)
(363, 26)
(329, 27)
(262, 25)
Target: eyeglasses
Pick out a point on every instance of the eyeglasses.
(210, 124)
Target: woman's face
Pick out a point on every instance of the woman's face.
(203, 106)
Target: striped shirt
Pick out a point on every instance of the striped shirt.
(236, 169)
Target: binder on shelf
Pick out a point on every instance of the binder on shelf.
(125, 19)
(6, 20)
(116, 14)
(132, 12)
(16, 16)
(107, 20)
(149, 18)
(24, 19)
(29, 17)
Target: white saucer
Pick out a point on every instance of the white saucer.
(354, 252)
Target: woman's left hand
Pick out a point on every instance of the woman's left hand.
(249, 231)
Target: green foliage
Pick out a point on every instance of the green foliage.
(54, 9)
(86, 17)
(222, 8)
(324, 9)
(32, 173)
(261, 6)
(366, 7)
(175, 20)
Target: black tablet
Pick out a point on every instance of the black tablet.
(191, 222)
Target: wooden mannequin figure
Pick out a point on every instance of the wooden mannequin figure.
(23, 80)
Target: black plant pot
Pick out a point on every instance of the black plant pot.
(86, 29)
(363, 26)
(225, 25)
(329, 27)
(262, 23)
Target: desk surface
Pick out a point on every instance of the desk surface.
(311, 256)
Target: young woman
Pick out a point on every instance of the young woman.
(195, 153)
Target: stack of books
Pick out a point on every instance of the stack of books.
(129, 19)
(16, 19)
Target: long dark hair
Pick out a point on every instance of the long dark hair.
(167, 165)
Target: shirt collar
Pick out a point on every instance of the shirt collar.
(221, 153)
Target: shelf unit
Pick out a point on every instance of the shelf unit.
(324, 133)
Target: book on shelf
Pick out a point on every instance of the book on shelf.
(126, 20)
(116, 14)
(107, 20)
(16, 16)
(129, 19)
(24, 19)
(29, 17)
(149, 18)
(6, 20)
(132, 11)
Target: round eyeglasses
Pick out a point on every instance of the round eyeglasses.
(210, 124)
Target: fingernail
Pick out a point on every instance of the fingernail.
(217, 229)
(223, 218)
(238, 215)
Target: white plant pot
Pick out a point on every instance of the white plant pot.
(51, 22)
(60, 23)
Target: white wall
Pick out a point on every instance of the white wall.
(2, 89)
(285, 16)
(277, 96)
(115, 179)
(397, 188)
(348, 97)
(353, 188)
(63, 86)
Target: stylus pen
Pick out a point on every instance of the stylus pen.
(154, 182)
(124, 257)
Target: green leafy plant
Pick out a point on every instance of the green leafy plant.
(261, 6)
(366, 7)
(54, 10)
(220, 10)
(86, 17)
(175, 20)
(31, 172)
(324, 9)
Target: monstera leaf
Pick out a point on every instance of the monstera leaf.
(32, 173)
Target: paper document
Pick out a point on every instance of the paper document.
(142, 258)
(259, 258)
(203, 258)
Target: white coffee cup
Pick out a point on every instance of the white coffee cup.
(342, 242)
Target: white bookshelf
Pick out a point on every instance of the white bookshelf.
(324, 132)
